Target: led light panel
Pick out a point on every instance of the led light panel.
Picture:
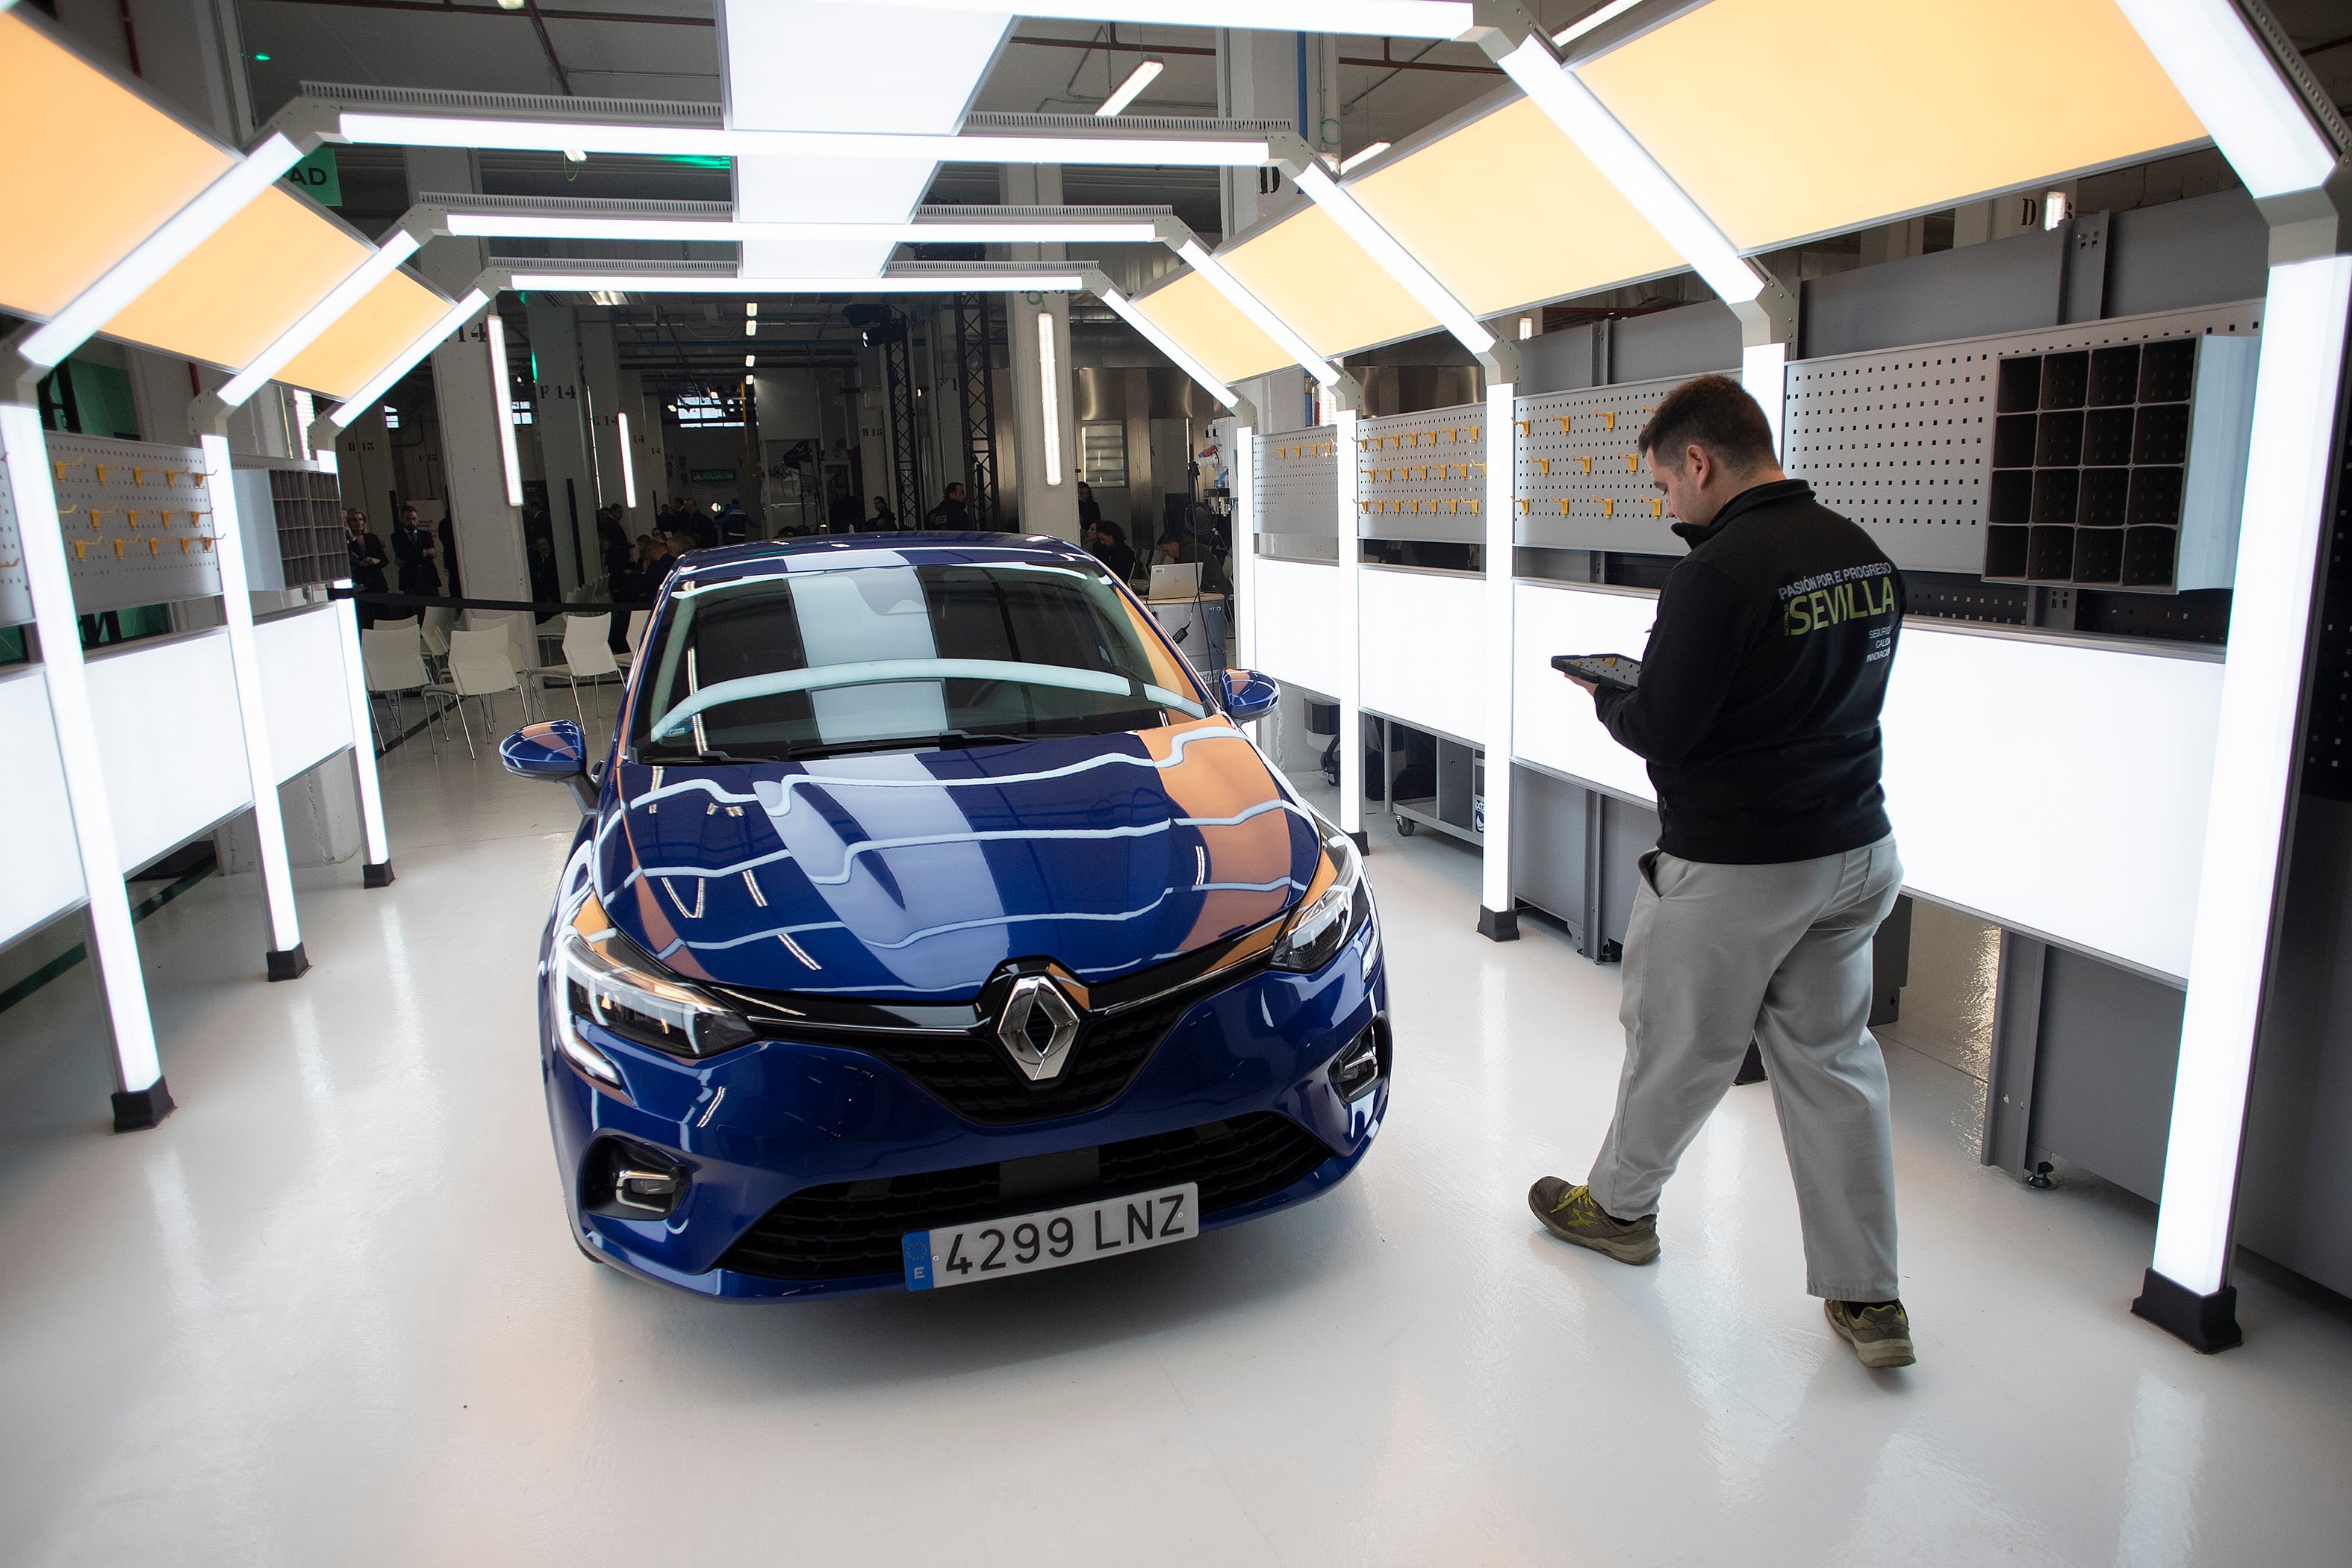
(1785, 119)
(247, 285)
(93, 170)
(1325, 285)
(1467, 205)
(387, 319)
(1213, 329)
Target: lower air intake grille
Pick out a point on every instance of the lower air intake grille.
(846, 1229)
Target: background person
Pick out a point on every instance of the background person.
(1757, 713)
(367, 558)
(950, 516)
(415, 547)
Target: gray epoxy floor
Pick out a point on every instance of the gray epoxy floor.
(327, 1313)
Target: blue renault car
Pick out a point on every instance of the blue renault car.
(931, 919)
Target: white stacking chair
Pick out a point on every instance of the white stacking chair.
(393, 658)
(480, 667)
(438, 620)
(522, 649)
(635, 636)
(404, 623)
(587, 655)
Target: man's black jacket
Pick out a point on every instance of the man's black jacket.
(1758, 709)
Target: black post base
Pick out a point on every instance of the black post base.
(2205, 1324)
(1498, 925)
(139, 1109)
(1362, 841)
(1751, 1066)
(376, 874)
(289, 963)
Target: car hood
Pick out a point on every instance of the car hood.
(917, 875)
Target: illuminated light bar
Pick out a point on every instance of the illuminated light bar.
(1361, 155)
(161, 251)
(365, 398)
(1627, 165)
(1125, 311)
(1127, 92)
(1584, 25)
(728, 283)
(494, 333)
(241, 386)
(689, 140)
(2254, 115)
(1369, 18)
(532, 225)
(1393, 259)
(628, 464)
(1049, 397)
(1265, 321)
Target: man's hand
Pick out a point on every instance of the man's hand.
(1590, 689)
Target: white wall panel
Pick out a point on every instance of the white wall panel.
(169, 740)
(1297, 623)
(2059, 787)
(1423, 638)
(304, 689)
(41, 874)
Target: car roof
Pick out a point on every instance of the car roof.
(821, 553)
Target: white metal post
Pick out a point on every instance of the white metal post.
(140, 1098)
(285, 958)
(1244, 618)
(1352, 663)
(1497, 905)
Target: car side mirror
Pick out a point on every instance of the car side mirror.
(555, 750)
(1249, 695)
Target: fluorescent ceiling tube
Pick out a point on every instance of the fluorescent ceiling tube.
(365, 398)
(494, 332)
(1587, 23)
(238, 388)
(1127, 92)
(1368, 18)
(1627, 165)
(1250, 305)
(1125, 311)
(2255, 117)
(726, 283)
(1361, 155)
(535, 225)
(1393, 259)
(161, 251)
(686, 141)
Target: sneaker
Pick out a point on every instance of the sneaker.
(1570, 1214)
(1880, 1336)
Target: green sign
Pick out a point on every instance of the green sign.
(316, 174)
(712, 477)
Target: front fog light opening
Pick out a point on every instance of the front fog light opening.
(1363, 1062)
(621, 1179)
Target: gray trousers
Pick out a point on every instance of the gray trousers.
(1715, 954)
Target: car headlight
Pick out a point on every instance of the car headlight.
(605, 979)
(1327, 921)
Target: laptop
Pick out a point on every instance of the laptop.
(1179, 580)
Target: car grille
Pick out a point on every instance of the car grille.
(846, 1229)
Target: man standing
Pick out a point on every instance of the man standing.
(1757, 709)
(950, 515)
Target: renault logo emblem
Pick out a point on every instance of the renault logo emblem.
(1037, 1027)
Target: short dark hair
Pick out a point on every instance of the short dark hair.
(1714, 411)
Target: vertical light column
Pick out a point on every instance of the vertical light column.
(1352, 657)
(1498, 915)
(285, 958)
(1764, 372)
(1243, 469)
(376, 872)
(1044, 384)
(2297, 399)
(140, 1098)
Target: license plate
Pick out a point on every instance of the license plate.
(1050, 1239)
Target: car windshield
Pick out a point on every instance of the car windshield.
(841, 658)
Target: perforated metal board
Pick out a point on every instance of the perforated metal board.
(15, 593)
(1299, 482)
(1581, 483)
(137, 519)
(1422, 475)
(1900, 440)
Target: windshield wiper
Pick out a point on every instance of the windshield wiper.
(715, 759)
(943, 740)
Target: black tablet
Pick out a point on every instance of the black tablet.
(1612, 671)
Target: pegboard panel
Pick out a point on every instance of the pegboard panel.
(1900, 440)
(1422, 475)
(1299, 482)
(137, 519)
(1581, 483)
(15, 593)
